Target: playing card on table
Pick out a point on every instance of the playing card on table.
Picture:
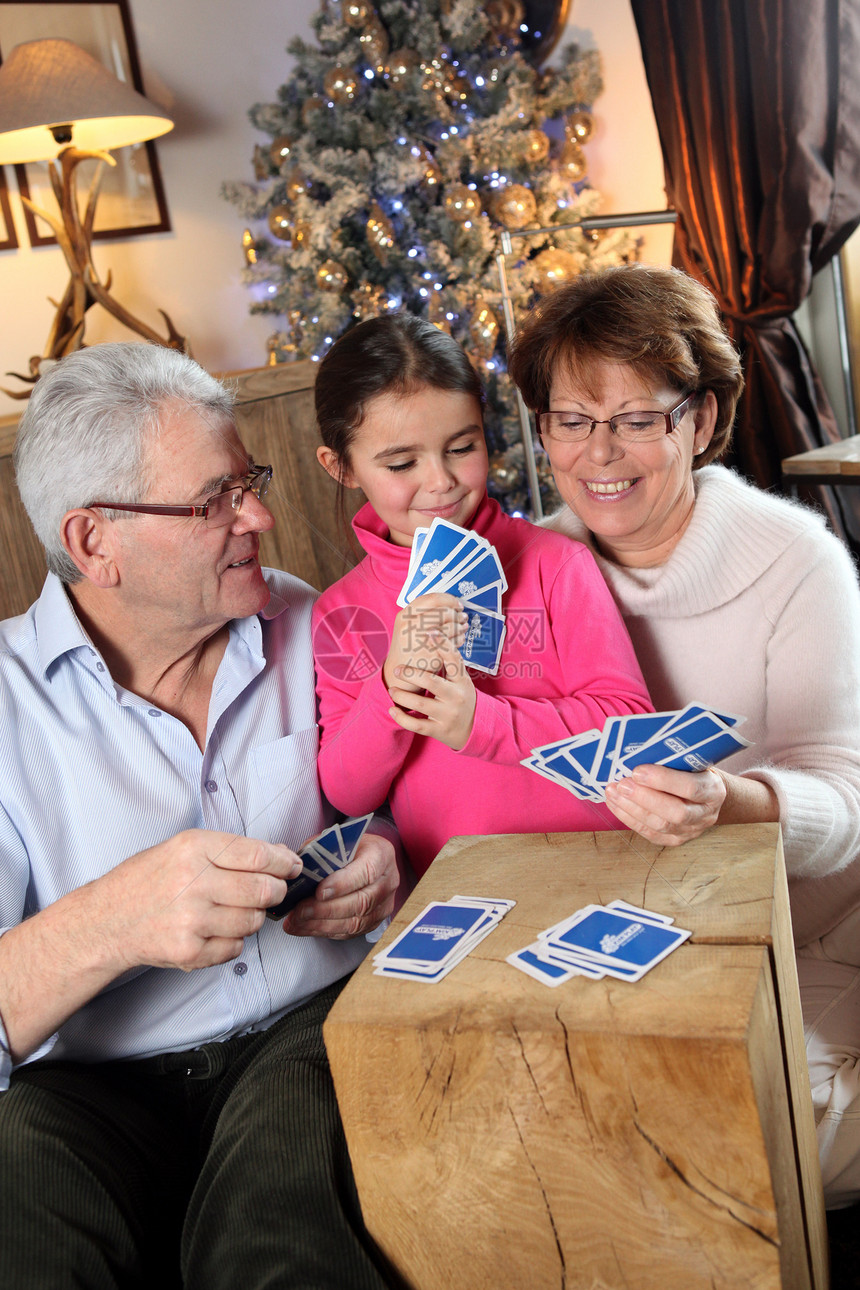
(320, 856)
(620, 944)
(440, 937)
(619, 940)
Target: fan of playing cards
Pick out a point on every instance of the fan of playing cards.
(320, 856)
(691, 739)
(617, 940)
(440, 937)
(448, 558)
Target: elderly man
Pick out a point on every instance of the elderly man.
(167, 1102)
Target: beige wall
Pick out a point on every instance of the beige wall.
(206, 63)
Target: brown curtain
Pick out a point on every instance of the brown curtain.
(757, 105)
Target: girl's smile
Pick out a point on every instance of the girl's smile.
(417, 456)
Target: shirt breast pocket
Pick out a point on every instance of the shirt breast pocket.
(286, 804)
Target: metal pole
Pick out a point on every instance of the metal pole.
(525, 421)
(844, 342)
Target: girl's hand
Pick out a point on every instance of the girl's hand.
(448, 711)
(665, 806)
(413, 645)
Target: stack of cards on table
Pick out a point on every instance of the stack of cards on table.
(329, 850)
(691, 739)
(459, 562)
(440, 937)
(617, 940)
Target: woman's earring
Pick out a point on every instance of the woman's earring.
(699, 452)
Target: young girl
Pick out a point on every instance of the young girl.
(400, 414)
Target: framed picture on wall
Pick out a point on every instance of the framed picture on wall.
(131, 197)
(8, 239)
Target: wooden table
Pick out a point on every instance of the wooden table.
(836, 463)
(509, 1136)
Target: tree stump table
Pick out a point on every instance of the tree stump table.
(655, 1134)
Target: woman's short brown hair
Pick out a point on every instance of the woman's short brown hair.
(660, 322)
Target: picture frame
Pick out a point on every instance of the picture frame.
(131, 197)
(8, 236)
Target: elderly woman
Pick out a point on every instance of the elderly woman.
(732, 597)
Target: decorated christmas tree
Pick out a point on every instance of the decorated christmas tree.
(401, 148)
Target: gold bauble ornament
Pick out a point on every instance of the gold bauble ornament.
(554, 266)
(483, 329)
(461, 204)
(368, 301)
(340, 84)
(280, 150)
(579, 126)
(572, 161)
(301, 233)
(357, 14)
(331, 276)
(310, 107)
(296, 185)
(248, 247)
(436, 312)
(374, 44)
(538, 145)
(505, 16)
(503, 473)
(432, 175)
(400, 65)
(515, 207)
(280, 220)
(380, 233)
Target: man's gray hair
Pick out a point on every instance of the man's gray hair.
(85, 433)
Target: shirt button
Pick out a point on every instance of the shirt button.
(100, 667)
(211, 786)
(240, 969)
(153, 712)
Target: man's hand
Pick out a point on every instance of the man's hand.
(416, 631)
(190, 902)
(353, 900)
(186, 903)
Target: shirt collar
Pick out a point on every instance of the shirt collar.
(59, 631)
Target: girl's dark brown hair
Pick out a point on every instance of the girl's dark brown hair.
(661, 323)
(394, 354)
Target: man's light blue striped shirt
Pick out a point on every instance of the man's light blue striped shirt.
(91, 774)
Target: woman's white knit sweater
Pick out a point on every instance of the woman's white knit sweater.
(757, 612)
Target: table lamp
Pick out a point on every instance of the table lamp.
(59, 104)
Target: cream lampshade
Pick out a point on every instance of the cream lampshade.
(61, 105)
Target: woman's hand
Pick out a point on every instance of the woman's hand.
(668, 807)
(447, 710)
(413, 638)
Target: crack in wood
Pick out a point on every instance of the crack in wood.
(697, 1191)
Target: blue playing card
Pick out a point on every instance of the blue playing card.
(434, 934)
(351, 832)
(447, 549)
(680, 739)
(705, 754)
(608, 938)
(485, 636)
(297, 889)
(490, 598)
(484, 570)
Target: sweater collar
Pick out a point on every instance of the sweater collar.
(732, 538)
